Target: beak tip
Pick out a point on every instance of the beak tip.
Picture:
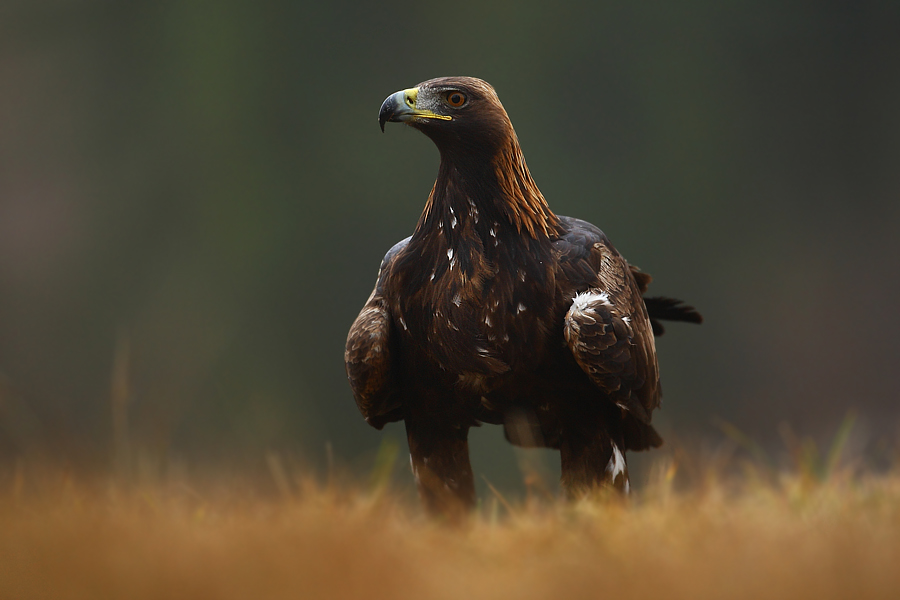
(390, 109)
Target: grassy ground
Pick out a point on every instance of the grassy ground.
(760, 535)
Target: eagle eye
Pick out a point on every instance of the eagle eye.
(456, 99)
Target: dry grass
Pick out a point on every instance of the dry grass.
(769, 536)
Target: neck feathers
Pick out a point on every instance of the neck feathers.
(494, 190)
(523, 202)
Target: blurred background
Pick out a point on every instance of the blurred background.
(195, 198)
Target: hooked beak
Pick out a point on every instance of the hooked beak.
(401, 107)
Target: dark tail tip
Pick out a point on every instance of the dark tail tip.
(670, 309)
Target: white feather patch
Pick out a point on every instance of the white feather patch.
(616, 464)
(584, 300)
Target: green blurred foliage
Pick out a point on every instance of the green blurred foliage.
(207, 181)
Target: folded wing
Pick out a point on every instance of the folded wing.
(369, 355)
(609, 333)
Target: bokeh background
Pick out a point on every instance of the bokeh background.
(195, 197)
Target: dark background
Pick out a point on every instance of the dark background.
(195, 197)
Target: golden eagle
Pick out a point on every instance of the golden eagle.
(496, 310)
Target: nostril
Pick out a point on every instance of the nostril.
(409, 101)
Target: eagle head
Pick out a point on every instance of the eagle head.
(460, 114)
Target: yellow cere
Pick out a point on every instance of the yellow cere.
(410, 96)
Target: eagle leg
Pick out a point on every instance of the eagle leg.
(439, 458)
(592, 457)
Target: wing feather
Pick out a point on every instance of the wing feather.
(609, 334)
(369, 354)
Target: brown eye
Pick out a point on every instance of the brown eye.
(456, 99)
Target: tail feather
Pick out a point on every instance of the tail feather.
(669, 309)
(639, 436)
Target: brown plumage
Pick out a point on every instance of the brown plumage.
(496, 310)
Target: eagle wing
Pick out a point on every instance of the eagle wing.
(607, 328)
(369, 354)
